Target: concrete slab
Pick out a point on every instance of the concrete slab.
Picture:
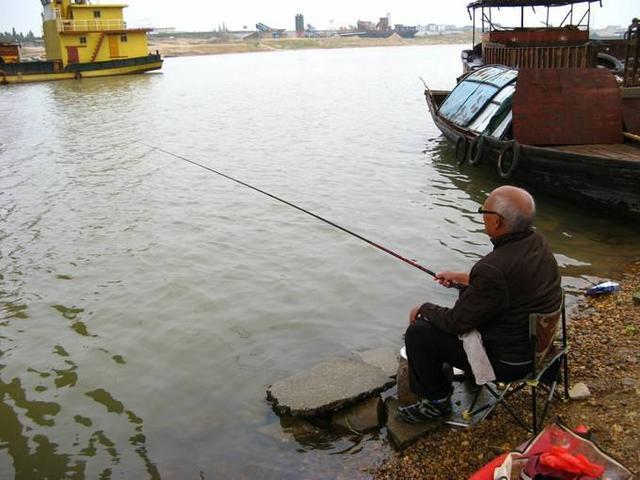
(363, 416)
(327, 387)
(404, 434)
(385, 358)
(405, 395)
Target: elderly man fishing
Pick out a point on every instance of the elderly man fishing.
(518, 277)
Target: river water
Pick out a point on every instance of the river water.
(146, 304)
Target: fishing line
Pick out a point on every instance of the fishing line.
(303, 210)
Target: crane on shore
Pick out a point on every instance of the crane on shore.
(275, 32)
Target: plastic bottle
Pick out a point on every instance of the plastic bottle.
(605, 287)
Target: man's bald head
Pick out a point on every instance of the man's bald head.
(515, 205)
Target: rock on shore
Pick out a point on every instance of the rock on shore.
(332, 385)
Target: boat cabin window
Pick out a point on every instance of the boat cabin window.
(480, 101)
(97, 14)
(465, 101)
(501, 129)
(123, 38)
(83, 40)
(498, 106)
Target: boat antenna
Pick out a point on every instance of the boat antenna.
(322, 219)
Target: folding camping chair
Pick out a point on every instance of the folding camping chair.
(548, 347)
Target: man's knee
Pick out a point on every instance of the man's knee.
(420, 333)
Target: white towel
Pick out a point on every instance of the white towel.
(477, 356)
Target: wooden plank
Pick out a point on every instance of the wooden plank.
(618, 151)
(631, 114)
(546, 58)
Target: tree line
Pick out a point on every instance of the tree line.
(14, 36)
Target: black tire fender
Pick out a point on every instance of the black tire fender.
(476, 150)
(462, 146)
(514, 148)
(604, 60)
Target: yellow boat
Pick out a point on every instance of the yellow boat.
(83, 40)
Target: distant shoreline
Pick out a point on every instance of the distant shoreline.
(180, 46)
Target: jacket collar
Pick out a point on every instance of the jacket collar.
(510, 237)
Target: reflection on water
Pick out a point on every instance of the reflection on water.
(35, 422)
(146, 304)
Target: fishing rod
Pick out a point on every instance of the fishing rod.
(303, 210)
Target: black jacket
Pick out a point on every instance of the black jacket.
(520, 276)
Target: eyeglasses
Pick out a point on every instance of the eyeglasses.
(482, 210)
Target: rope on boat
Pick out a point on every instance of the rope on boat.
(303, 210)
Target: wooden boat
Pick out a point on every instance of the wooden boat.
(550, 120)
(82, 40)
(565, 46)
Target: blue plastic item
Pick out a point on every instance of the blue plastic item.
(605, 287)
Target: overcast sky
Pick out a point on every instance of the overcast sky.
(202, 15)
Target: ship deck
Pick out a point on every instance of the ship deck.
(624, 151)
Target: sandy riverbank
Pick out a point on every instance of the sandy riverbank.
(180, 46)
(204, 44)
(603, 336)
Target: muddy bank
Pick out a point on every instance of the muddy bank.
(603, 338)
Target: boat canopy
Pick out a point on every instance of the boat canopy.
(525, 3)
(481, 102)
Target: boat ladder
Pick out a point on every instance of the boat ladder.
(97, 48)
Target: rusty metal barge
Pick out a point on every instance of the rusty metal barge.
(533, 104)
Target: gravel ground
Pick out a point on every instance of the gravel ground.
(603, 339)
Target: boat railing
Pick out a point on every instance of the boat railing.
(90, 25)
(631, 75)
(566, 56)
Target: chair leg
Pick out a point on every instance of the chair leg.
(552, 391)
(562, 377)
(475, 399)
(538, 420)
(534, 410)
(561, 395)
(565, 376)
(470, 412)
(499, 399)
